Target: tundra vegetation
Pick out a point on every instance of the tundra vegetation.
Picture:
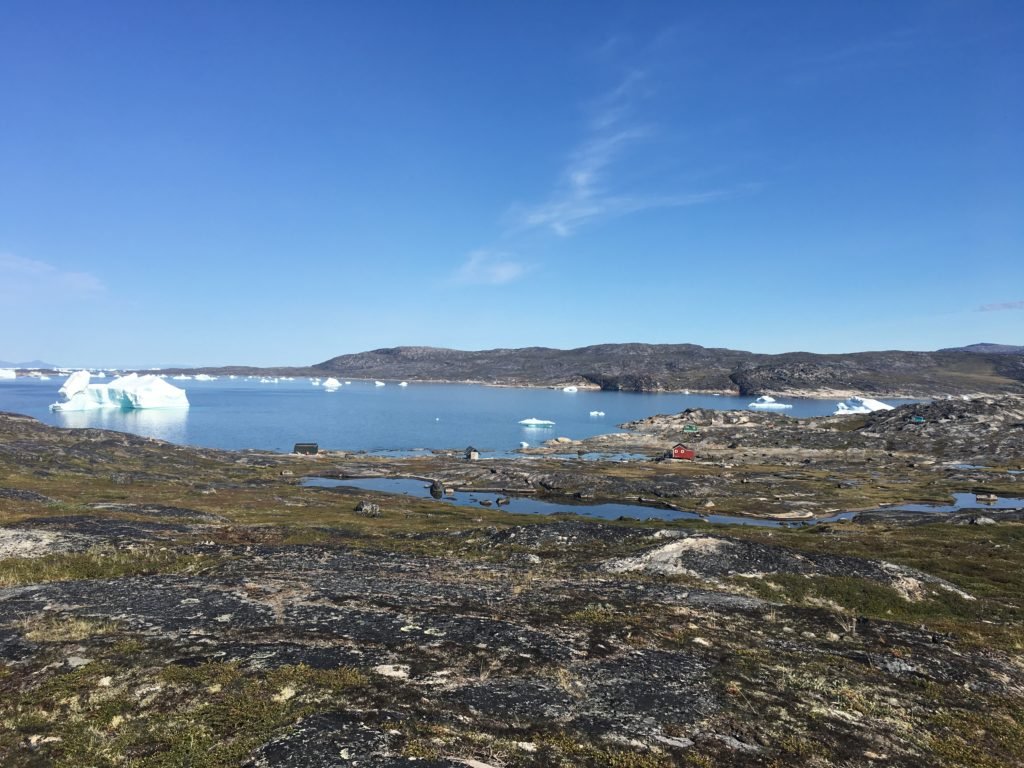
(170, 606)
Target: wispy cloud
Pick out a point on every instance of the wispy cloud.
(24, 280)
(484, 267)
(1001, 307)
(586, 188)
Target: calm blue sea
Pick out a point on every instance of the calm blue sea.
(239, 413)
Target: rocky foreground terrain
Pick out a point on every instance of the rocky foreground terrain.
(170, 606)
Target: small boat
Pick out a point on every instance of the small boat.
(531, 422)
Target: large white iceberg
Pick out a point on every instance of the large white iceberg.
(332, 383)
(8, 373)
(131, 391)
(768, 403)
(860, 405)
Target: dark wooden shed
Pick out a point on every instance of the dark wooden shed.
(307, 449)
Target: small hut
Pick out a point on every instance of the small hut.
(306, 449)
(680, 451)
(472, 454)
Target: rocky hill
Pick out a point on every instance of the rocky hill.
(666, 367)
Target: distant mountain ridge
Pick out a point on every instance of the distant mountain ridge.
(674, 367)
(990, 349)
(29, 364)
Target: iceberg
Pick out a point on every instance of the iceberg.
(131, 391)
(331, 383)
(378, 384)
(403, 383)
(768, 403)
(860, 405)
(205, 377)
(570, 389)
(8, 373)
(179, 377)
(597, 413)
(531, 422)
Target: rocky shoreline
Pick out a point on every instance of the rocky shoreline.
(163, 605)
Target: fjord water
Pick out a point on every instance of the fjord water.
(238, 414)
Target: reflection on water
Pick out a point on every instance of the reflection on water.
(162, 423)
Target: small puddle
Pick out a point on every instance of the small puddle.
(524, 505)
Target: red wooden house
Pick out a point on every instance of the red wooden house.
(680, 451)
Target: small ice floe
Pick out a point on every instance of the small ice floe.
(348, 382)
(379, 384)
(232, 376)
(570, 389)
(331, 384)
(524, 444)
(597, 413)
(532, 422)
(768, 403)
(315, 382)
(860, 405)
(403, 383)
(131, 391)
(205, 377)
(179, 377)
(8, 373)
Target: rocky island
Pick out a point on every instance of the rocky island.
(976, 369)
(163, 605)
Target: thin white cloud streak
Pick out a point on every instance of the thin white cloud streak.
(484, 267)
(585, 191)
(23, 280)
(1001, 307)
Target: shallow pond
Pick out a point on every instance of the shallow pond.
(525, 505)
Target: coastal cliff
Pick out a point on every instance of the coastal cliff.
(673, 367)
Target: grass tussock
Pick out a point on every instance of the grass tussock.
(100, 563)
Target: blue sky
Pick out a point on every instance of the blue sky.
(277, 183)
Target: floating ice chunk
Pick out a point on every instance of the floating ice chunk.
(76, 382)
(860, 405)
(524, 444)
(532, 422)
(131, 391)
(768, 403)
(8, 373)
(205, 377)
(331, 383)
(378, 384)
(348, 382)
(570, 388)
(179, 377)
(403, 383)
(597, 413)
